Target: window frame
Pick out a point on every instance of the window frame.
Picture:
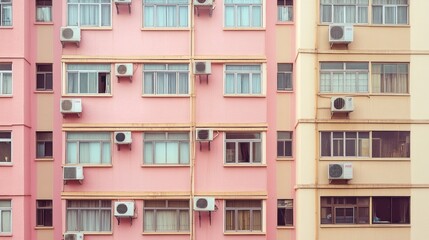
(344, 71)
(285, 70)
(251, 142)
(285, 205)
(166, 141)
(166, 72)
(395, 6)
(6, 140)
(252, 216)
(176, 209)
(101, 74)
(43, 211)
(6, 69)
(99, 4)
(235, 6)
(357, 5)
(330, 209)
(44, 140)
(44, 7)
(287, 8)
(6, 4)
(382, 78)
(47, 82)
(81, 140)
(287, 142)
(252, 73)
(100, 208)
(358, 145)
(6, 209)
(177, 10)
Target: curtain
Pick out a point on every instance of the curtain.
(229, 84)
(149, 16)
(243, 83)
(6, 221)
(88, 148)
(184, 152)
(230, 220)
(166, 220)
(244, 152)
(256, 152)
(149, 221)
(160, 152)
(243, 220)
(377, 14)
(256, 84)
(148, 83)
(183, 16)
(326, 13)
(183, 83)
(184, 220)
(89, 15)
(43, 14)
(6, 15)
(350, 14)
(171, 82)
(229, 16)
(7, 83)
(105, 15)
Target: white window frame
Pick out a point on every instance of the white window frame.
(332, 4)
(389, 86)
(79, 210)
(240, 3)
(99, 4)
(285, 11)
(236, 91)
(251, 209)
(168, 208)
(395, 4)
(105, 71)
(6, 209)
(358, 143)
(181, 142)
(2, 79)
(353, 86)
(79, 140)
(251, 142)
(44, 10)
(169, 69)
(178, 5)
(6, 5)
(7, 140)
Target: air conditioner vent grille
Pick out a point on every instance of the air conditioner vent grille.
(200, 66)
(201, 1)
(202, 203)
(67, 33)
(120, 137)
(122, 69)
(339, 103)
(122, 208)
(337, 32)
(335, 171)
(66, 105)
(70, 173)
(203, 134)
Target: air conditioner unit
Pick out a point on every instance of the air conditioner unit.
(123, 137)
(202, 67)
(73, 236)
(70, 34)
(340, 171)
(204, 134)
(342, 104)
(204, 203)
(124, 69)
(124, 209)
(122, 1)
(72, 173)
(203, 3)
(340, 33)
(71, 105)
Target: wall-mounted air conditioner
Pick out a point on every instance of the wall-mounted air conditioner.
(124, 69)
(122, 1)
(123, 138)
(340, 33)
(203, 3)
(71, 106)
(124, 209)
(70, 34)
(342, 104)
(340, 171)
(73, 236)
(204, 134)
(204, 203)
(202, 67)
(72, 173)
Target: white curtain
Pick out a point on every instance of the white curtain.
(84, 13)
(5, 215)
(173, 13)
(243, 13)
(44, 14)
(6, 15)
(166, 220)
(229, 84)
(93, 216)
(6, 87)
(88, 148)
(84, 78)
(173, 150)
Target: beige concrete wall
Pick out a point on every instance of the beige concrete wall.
(45, 51)
(45, 111)
(285, 109)
(285, 40)
(44, 182)
(285, 175)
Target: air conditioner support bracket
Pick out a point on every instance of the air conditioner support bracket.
(210, 218)
(119, 220)
(201, 147)
(64, 43)
(209, 8)
(206, 77)
(119, 146)
(130, 78)
(65, 181)
(117, 7)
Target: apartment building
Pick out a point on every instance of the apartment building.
(204, 119)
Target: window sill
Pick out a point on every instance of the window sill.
(370, 25)
(44, 91)
(50, 159)
(165, 29)
(94, 28)
(285, 159)
(365, 226)
(44, 23)
(285, 22)
(244, 96)
(285, 91)
(285, 227)
(164, 165)
(87, 95)
(244, 29)
(43, 228)
(95, 233)
(245, 165)
(90, 166)
(166, 233)
(6, 27)
(365, 159)
(244, 233)
(4, 164)
(364, 94)
(6, 96)
(166, 96)
(6, 235)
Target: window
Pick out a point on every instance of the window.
(44, 144)
(344, 11)
(243, 13)
(345, 144)
(166, 216)
(344, 77)
(243, 215)
(166, 13)
(5, 13)
(284, 144)
(391, 144)
(166, 148)
(5, 78)
(344, 210)
(285, 10)
(44, 77)
(89, 13)
(243, 147)
(284, 212)
(44, 213)
(390, 11)
(166, 79)
(89, 215)
(88, 78)
(43, 10)
(284, 76)
(391, 210)
(5, 216)
(389, 78)
(88, 148)
(243, 79)
(5, 147)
